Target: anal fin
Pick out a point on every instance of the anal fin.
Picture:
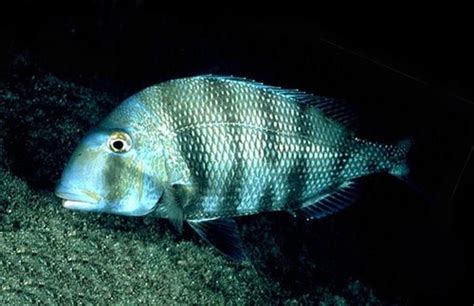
(221, 233)
(328, 204)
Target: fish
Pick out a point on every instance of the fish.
(203, 150)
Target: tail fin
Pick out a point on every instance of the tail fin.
(402, 171)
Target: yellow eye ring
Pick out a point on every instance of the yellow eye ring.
(119, 142)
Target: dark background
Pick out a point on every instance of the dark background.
(405, 77)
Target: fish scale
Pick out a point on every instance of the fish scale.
(209, 148)
(242, 177)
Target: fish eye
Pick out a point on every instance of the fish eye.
(119, 142)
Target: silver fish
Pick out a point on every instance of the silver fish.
(208, 148)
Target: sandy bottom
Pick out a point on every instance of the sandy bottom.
(51, 255)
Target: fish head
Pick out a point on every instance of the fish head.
(111, 171)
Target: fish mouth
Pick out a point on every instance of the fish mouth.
(78, 205)
(77, 202)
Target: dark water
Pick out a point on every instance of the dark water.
(402, 80)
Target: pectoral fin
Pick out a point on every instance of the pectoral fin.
(176, 219)
(171, 206)
(222, 234)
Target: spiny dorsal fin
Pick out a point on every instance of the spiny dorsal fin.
(329, 204)
(334, 109)
(221, 233)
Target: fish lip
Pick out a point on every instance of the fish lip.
(75, 201)
(73, 197)
(75, 194)
(78, 205)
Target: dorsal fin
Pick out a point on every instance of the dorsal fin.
(328, 204)
(332, 108)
